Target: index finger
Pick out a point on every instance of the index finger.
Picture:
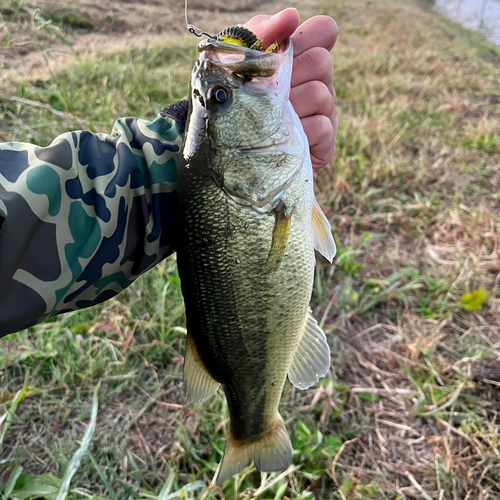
(274, 28)
(319, 31)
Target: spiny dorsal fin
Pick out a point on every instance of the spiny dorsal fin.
(311, 360)
(272, 452)
(322, 234)
(198, 383)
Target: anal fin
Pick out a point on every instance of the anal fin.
(311, 360)
(322, 234)
(271, 452)
(198, 383)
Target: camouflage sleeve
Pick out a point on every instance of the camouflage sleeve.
(81, 219)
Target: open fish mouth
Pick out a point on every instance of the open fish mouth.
(242, 61)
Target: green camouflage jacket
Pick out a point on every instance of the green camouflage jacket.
(81, 219)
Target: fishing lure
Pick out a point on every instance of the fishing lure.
(238, 35)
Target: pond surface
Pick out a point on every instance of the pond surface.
(480, 15)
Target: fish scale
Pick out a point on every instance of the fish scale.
(232, 307)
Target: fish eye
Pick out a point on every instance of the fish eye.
(218, 95)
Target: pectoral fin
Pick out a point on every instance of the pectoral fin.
(311, 359)
(280, 237)
(322, 234)
(198, 383)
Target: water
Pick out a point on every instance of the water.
(481, 15)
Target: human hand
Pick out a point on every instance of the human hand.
(312, 94)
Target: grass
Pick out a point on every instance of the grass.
(410, 407)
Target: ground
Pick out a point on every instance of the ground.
(411, 306)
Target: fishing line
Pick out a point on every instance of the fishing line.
(191, 28)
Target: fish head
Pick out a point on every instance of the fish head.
(240, 110)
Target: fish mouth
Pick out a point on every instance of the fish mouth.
(242, 61)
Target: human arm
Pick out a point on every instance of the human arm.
(83, 218)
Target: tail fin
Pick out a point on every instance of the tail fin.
(272, 452)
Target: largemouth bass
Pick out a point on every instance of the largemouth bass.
(249, 224)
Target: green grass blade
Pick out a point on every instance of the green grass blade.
(167, 487)
(103, 477)
(78, 455)
(187, 488)
(11, 483)
(6, 419)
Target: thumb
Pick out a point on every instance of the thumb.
(274, 29)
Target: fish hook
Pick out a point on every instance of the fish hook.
(191, 28)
